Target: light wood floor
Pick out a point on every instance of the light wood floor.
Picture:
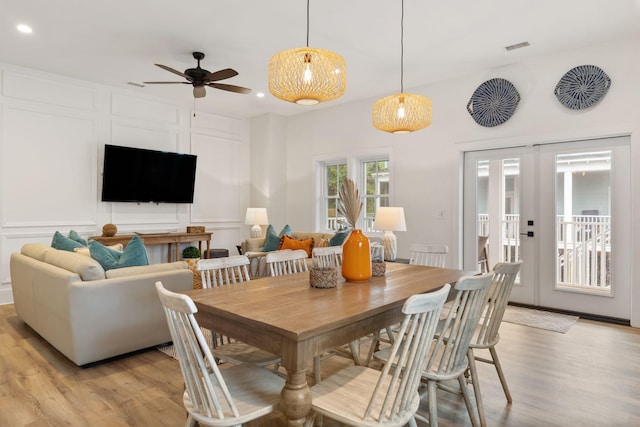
(589, 376)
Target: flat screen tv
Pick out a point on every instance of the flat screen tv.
(139, 175)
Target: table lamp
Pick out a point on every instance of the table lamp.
(390, 219)
(257, 217)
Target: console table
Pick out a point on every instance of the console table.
(161, 239)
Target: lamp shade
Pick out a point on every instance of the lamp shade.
(256, 216)
(402, 113)
(307, 76)
(390, 219)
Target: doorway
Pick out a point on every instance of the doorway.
(564, 210)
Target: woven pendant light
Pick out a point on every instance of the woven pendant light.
(403, 112)
(307, 75)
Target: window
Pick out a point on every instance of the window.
(372, 177)
(333, 176)
(375, 175)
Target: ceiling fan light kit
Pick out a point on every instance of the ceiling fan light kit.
(404, 112)
(307, 75)
(200, 78)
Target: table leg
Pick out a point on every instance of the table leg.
(169, 252)
(296, 398)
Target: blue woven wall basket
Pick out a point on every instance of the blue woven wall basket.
(493, 102)
(582, 87)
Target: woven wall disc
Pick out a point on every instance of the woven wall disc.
(582, 87)
(493, 102)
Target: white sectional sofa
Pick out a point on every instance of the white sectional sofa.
(89, 314)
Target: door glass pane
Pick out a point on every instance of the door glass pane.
(583, 221)
(511, 210)
(498, 208)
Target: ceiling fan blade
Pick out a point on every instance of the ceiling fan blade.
(230, 88)
(221, 75)
(199, 92)
(171, 70)
(165, 83)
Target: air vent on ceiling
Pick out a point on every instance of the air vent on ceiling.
(517, 46)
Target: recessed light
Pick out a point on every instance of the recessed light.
(260, 94)
(24, 28)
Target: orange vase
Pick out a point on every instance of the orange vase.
(356, 257)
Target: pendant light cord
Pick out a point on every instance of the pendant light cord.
(308, 22)
(401, 49)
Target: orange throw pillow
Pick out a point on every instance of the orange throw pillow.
(288, 242)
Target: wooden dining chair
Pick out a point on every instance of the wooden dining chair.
(448, 356)
(223, 271)
(214, 397)
(287, 262)
(486, 335)
(363, 396)
(419, 254)
(329, 256)
(430, 255)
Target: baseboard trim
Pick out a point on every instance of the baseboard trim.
(587, 316)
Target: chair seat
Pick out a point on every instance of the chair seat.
(348, 392)
(255, 391)
(239, 352)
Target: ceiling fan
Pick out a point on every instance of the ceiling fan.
(199, 78)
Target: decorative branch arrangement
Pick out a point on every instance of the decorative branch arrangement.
(349, 203)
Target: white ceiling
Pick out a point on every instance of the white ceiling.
(113, 42)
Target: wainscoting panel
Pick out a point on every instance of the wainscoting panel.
(218, 195)
(49, 173)
(53, 92)
(138, 108)
(220, 126)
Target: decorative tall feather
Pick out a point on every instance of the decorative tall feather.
(349, 204)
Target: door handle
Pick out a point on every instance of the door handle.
(528, 234)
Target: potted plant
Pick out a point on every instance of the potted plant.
(191, 255)
(190, 252)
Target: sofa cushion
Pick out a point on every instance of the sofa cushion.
(272, 240)
(87, 268)
(144, 269)
(35, 250)
(73, 235)
(85, 251)
(289, 242)
(339, 238)
(134, 254)
(64, 243)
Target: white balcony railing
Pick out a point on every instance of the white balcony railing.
(583, 248)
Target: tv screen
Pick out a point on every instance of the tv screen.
(139, 175)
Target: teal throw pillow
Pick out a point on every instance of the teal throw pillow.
(272, 240)
(134, 254)
(64, 243)
(286, 231)
(339, 238)
(73, 235)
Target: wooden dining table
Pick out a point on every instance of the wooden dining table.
(286, 316)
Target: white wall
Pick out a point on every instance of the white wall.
(427, 164)
(53, 131)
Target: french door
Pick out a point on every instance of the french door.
(564, 210)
